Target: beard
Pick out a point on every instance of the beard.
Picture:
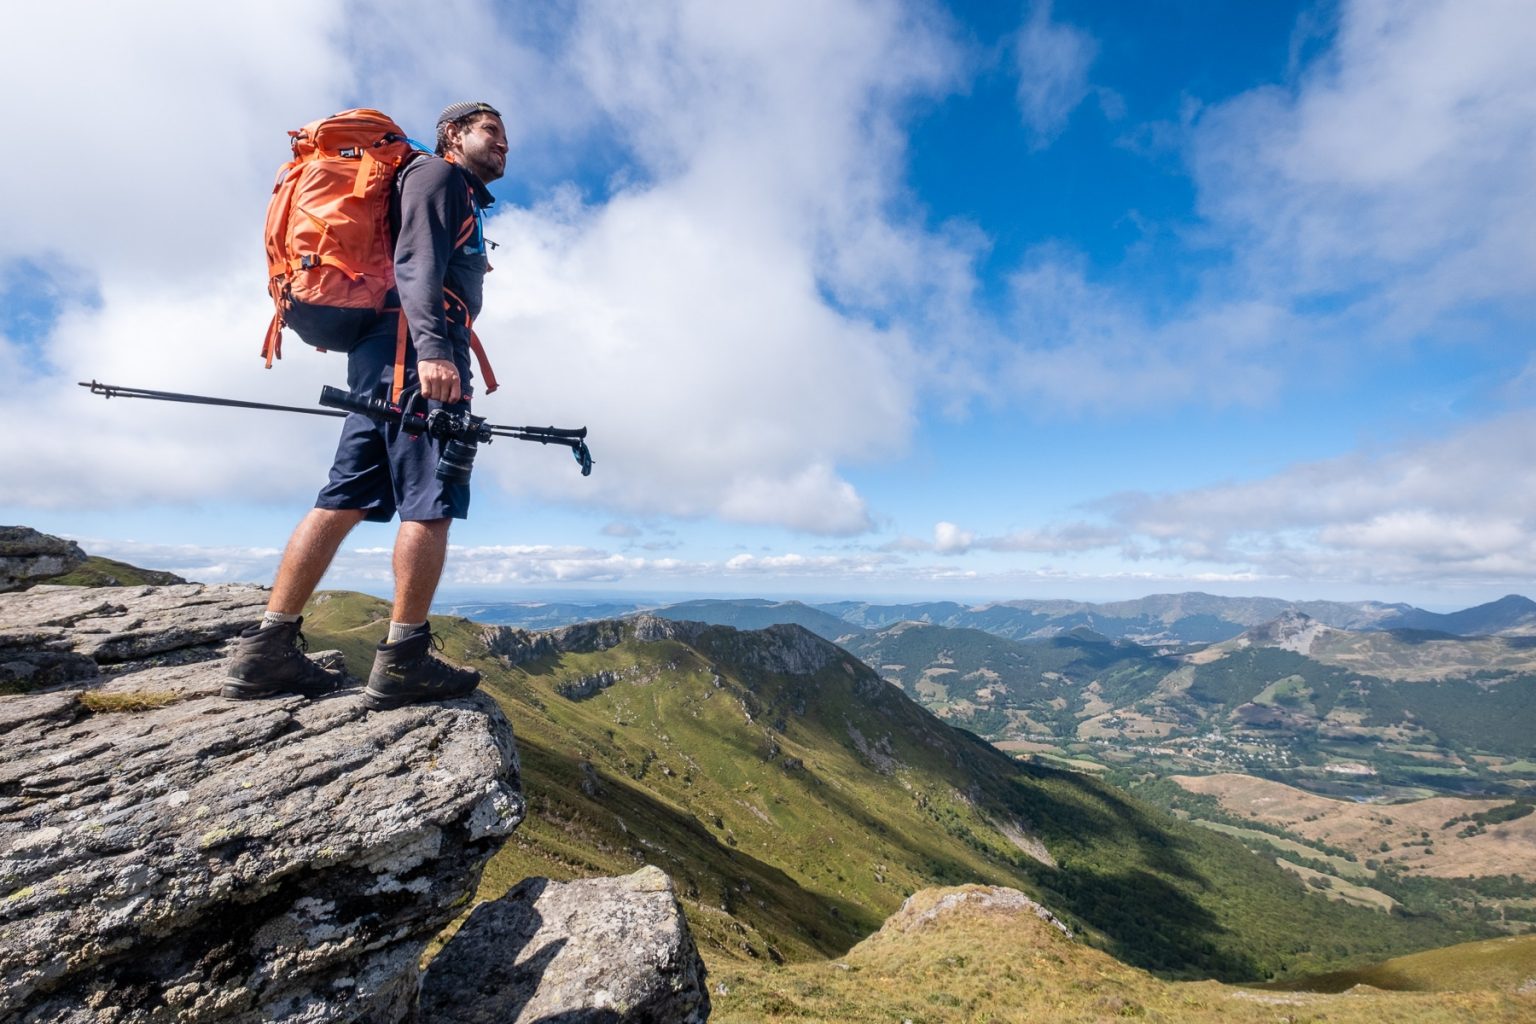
(484, 163)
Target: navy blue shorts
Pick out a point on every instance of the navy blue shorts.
(378, 467)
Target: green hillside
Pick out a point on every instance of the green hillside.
(996, 687)
(96, 571)
(1507, 963)
(797, 799)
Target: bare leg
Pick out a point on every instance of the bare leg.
(420, 548)
(308, 555)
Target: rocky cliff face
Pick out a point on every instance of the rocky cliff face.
(787, 649)
(26, 555)
(166, 854)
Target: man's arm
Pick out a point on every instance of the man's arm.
(433, 204)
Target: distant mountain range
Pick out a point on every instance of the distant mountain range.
(1353, 712)
(1364, 699)
(1159, 620)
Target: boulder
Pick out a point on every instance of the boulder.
(27, 555)
(166, 854)
(595, 951)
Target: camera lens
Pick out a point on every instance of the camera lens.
(457, 460)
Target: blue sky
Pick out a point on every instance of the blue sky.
(862, 299)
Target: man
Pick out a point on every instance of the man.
(440, 265)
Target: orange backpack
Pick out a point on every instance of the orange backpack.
(330, 248)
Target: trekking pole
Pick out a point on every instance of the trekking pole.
(115, 391)
(461, 429)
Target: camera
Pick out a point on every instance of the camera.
(462, 432)
(457, 460)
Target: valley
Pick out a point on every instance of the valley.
(797, 799)
(1389, 769)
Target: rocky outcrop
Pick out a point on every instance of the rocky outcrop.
(587, 686)
(51, 635)
(1292, 631)
(166, 854)
(599, 951)
(785, 649)
(169, 855)
(520, 646)
(26, 556)
(928, 908)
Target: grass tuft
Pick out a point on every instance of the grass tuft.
(133, 700)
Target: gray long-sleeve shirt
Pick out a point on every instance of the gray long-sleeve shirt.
(440, 247)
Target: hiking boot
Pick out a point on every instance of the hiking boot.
(269, 661)
(406, 672)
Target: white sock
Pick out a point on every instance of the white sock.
(400, 630)
(278, 619)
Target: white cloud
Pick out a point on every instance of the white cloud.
(686, 319)
(949, 539)
(1052, 62)
(1395, 165)
(1382, 195)
(166, 121)
(1091, 347)
(1455, 508)
(794, 564)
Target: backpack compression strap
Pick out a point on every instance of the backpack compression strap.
(272, 346)
(401, 333)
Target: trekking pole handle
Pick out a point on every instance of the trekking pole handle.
(378, 408)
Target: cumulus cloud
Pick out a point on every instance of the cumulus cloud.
(949, 539)
(705, 319)
(1454, 508)
(686, 317)
(1381, 195)
(1385, 172)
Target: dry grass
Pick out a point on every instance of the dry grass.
(990, 967)
(1507, 848)
(101, 702)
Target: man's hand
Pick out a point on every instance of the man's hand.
(439, 379)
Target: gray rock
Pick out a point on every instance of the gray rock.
(519, 646)
(166, 854)
(52, 634)
(596, 951)
(27, 555)
(926, 907)
(169, 855)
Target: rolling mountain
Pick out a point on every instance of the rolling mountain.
(1160, 619)
(534, 614)
(758, 614)
(970, 954)
(1167, 620)
(1377, 712)
(797, 799)
(1513, 615)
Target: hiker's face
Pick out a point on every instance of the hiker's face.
(482, 147)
